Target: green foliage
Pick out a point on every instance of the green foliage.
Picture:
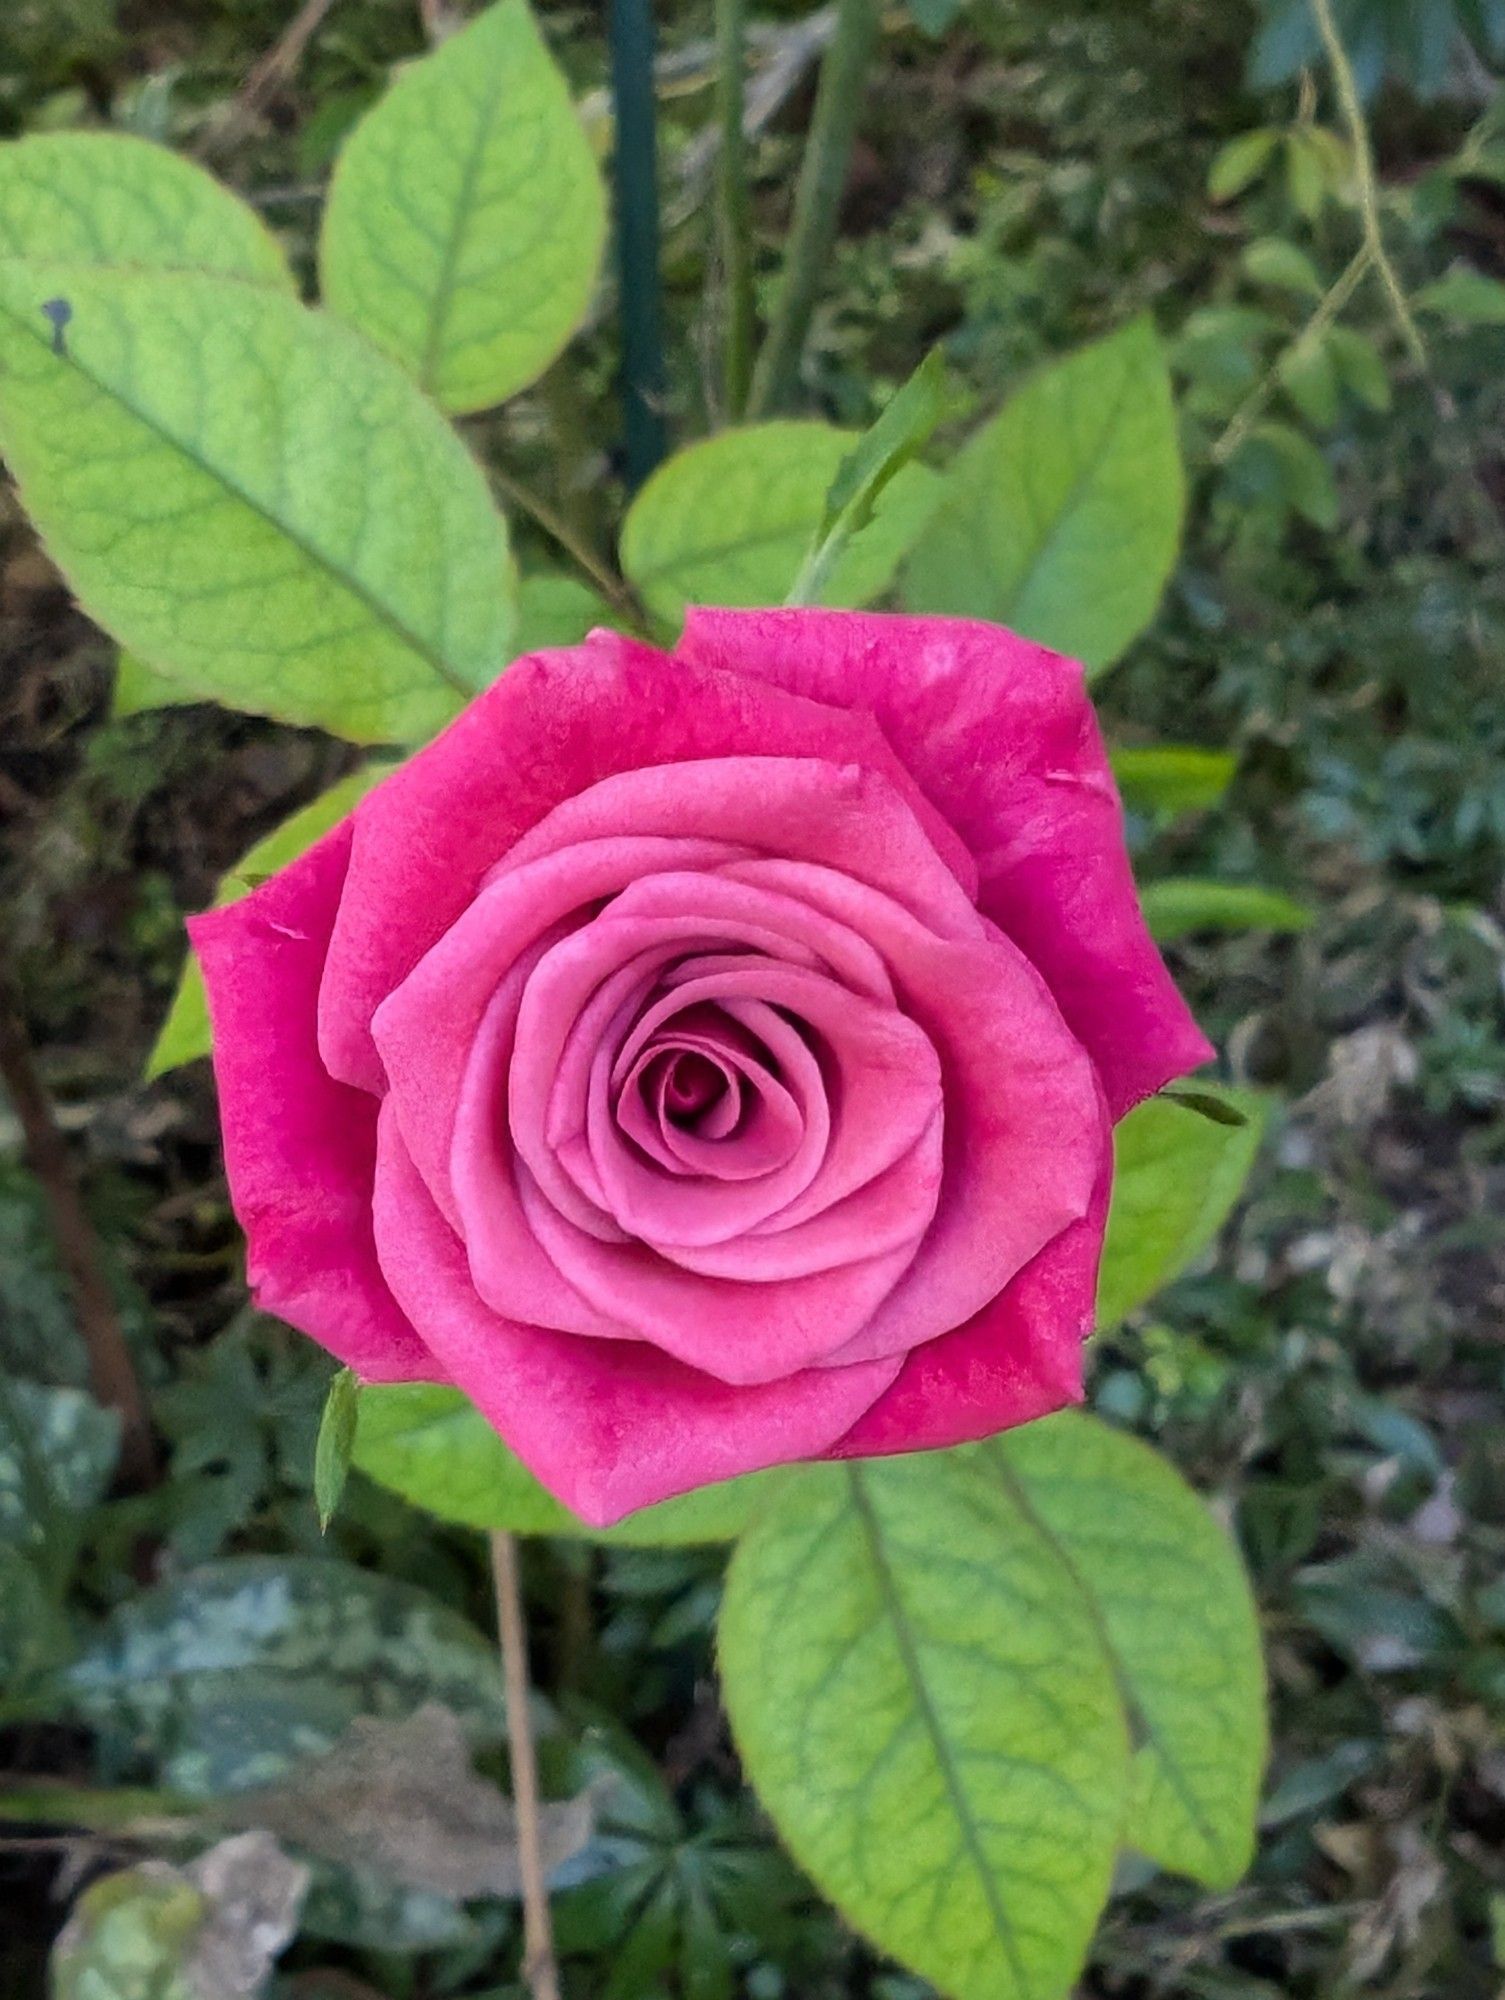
(1176, 1176)
(57, 1454)
(466, 216)
(429, 1444)
(104, 198)
(228, 1673)
(252, 499)
(899, 435)
(335, 1443)
(1182, 904)
(1171, 778)
(969, 1704)
(728, 520)
(185, 1034)
(1061, 518)
(555, 610)
(1467, 297)
(130, 1938)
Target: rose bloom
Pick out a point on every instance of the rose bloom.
(706, 1060)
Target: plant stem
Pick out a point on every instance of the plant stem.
(559, 530)
(1363, 158)
(635, 170)
(1327, 310)
(112, 1373)
(817, 201)
(539, 1968)
(734, 219)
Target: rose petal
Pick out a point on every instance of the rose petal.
(607, 1427)
(1000, 735)
(300, 1149)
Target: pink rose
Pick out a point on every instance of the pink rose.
(706, 1061)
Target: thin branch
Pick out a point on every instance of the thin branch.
(1369, 198)
(274, 69)
(1327, 310)
(539, 1967)
(559, 530)
(734, 216)
(112, 1373)
(817, 201)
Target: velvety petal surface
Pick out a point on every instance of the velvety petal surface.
(300, 1149)
(1000, 736)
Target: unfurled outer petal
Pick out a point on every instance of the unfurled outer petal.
(1000, 736)
(300, 1149)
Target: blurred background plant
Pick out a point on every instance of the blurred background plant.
(1025, 177)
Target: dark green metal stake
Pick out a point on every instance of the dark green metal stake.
(635, 171)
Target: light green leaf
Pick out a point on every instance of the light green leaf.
(108, 199)
(556, 610)
(1061, 518)
(466, 217)
(335, 1442)
(1360, 367)
(1241, 162)
(185, 1033)
(1284, 266)
(727, 521)
(1469, 297)
(250, 497)
(232, 1671)
(1182, 904)
(430, 1445)
(1176, 1176)
(138, 689)
(1174, 1608)
(1172, 777)
(924, 1704)
(1310, 378)
(898, 436)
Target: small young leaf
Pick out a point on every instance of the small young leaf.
(429, 1444)
(1061, 518)
(1182, 904)
(1220, 1110)
(1468, 297)
(1176, 1176)
(466, 216)
(1277, 462)
(1360, 366)
(899, 435)
(253, 499)
(1310, 378)
(1173, 778)
(923, 1703)
(1241, 162)
(728, 520)
(105, 198)
(1284, 266)
(335, 1443)
(185, 1033)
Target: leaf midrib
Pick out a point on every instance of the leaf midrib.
(1018, 1493)
(904, 1639)
(449, 249)
(352, 585)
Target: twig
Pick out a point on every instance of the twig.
(1363, 159)
(817, 200)
(1327, 310)
(268, 75)
(112, 1373)
(559, 530)
(539, 1968)
(734, 218)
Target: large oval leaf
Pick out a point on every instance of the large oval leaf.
(466, 216)
(107, 198)
(1176, 1176)
(430, 1445)
(728, 521)
(1061, 518)
(923, 1702)
(252, 498)
(1174, 1611)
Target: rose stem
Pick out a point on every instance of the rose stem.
(734, 235)
(539, 1968)
(817, 201)
(112, 1373)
